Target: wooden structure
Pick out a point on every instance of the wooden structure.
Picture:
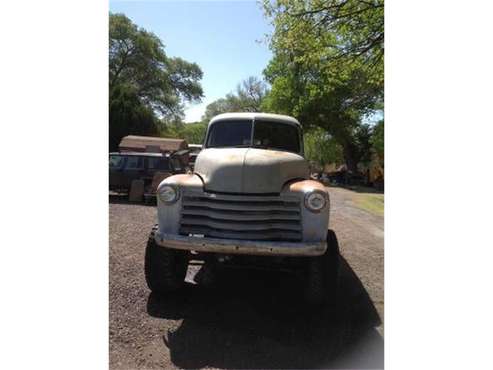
(133, 143)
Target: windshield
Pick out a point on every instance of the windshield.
(230, 133)
(267, 135)
(275, 135)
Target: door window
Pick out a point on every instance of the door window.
(157, 163)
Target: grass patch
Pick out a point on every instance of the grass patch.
(372, 203)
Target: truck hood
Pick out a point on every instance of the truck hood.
(248, 170)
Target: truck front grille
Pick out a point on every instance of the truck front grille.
(241, 217)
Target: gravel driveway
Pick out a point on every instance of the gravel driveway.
(247, 319)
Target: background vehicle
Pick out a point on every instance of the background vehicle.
(249, 201)
(126, 167)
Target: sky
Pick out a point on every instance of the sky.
(222, 37)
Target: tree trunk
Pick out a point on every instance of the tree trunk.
(350, 157)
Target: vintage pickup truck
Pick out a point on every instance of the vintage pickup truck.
(249, 195)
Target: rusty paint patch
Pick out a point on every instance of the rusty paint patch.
(306, 185)
(182, 179)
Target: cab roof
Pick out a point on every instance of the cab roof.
(254, 115)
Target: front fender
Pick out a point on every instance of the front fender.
(169, 214)
(314, 224)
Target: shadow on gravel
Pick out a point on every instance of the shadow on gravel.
(123, 199)
(257, 319)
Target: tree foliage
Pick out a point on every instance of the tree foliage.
(193, 133)
(248, 97)
(127, 115)
(377, 140)
(155, 85)
(250, 94)
(322, 148)
(347, 31)
(325, 71)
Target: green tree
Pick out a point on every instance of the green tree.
(250, 94)
(322, 148)
(222, 105)
(127, 115)
(193, 133)
(348, 31)
(321, 73)
(334, 100)
(156, 83)
(248, 97)
(377, 140)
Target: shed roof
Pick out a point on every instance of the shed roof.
(135, 143)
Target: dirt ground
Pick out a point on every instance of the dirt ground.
(248, 319)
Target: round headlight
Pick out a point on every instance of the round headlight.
(315, 201)
(168, 194)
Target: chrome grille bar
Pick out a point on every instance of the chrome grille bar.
(241, 217)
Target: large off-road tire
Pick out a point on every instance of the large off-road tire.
(165, 268)
(322, 278)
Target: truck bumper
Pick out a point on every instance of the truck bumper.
(234, 246)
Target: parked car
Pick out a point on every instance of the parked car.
(249, 200)
(129, 166)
